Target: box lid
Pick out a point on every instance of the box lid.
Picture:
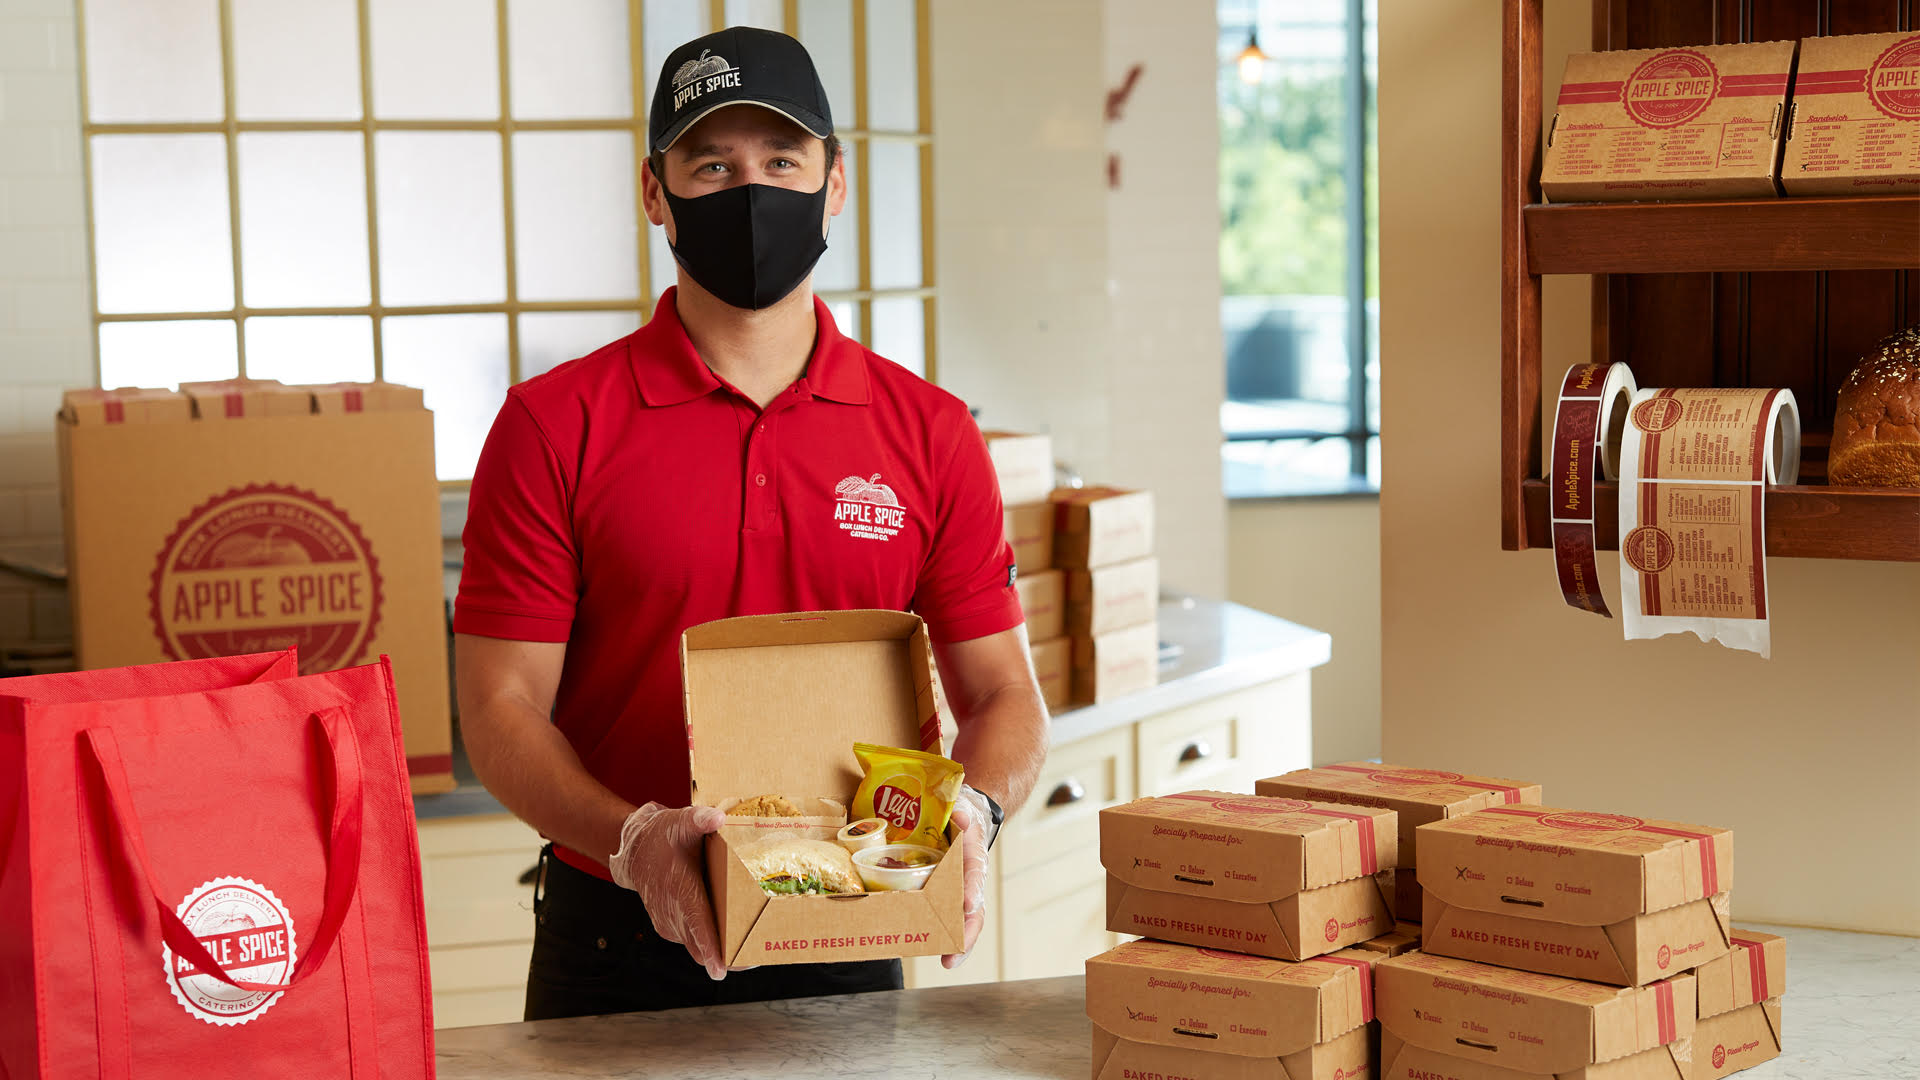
(235, 398)
(1753, 970)
(351, 397)
(1524, 1021)
(127, 405)
(1450, 791)
(1228, 1003)
(774, 703)
(1243, 848)
(1573, 866)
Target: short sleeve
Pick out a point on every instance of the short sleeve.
(966, 587)
(521, 575)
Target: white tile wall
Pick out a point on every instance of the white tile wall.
(45, 327)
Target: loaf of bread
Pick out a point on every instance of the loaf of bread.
(1876, 425)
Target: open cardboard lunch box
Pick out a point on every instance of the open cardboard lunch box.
(774, 704)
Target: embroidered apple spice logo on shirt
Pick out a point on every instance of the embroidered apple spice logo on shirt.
(868, 509)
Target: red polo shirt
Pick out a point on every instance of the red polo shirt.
(630, 494)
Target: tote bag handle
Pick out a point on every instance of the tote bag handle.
(343, 849)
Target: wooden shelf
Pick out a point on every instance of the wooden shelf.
(1804, 521)
(1858, 233)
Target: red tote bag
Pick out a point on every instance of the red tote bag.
(212, 883)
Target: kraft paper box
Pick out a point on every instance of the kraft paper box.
(1408, 899)
(1691, 123)
(1282, 878)
(1418, 796)
(332, 398)
(1030, 531)
(774, 704)
(1114, 665)
(1053, 668)
(189, 538)
(1404, 937)
(1160, 1009)
(1603, 897)
(1442, 1017)
(1740, 1006)
(237, 399)
(1855, 128)
(1043, 600)
(1113, 597)
(1099, 526)
(1024, 464)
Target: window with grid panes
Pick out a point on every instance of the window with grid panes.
(443, 193)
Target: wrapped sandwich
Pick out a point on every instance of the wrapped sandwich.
(788, 867)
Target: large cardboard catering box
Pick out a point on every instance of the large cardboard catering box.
(1160, 1009)
(1283, 878)
(1113, 597)
(1099, 526)
(1053, 669)
(189, 538)
(237, 399)
(774, 704)
(1740, 1006)
(1030, 530)
(1043, 600)
(1115, 664)
(1603, 897)
(1702, 122)
(1442, 1017)
(1403, 938)
(1023, 463)
(1855, 128)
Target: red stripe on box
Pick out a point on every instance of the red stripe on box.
(1588, 87)
(429, 764)
(1369, 858)
(1663, 1009)
(236, 405)
(930, 734)
(1709, 867)
(1512, 810)
(116, 411)
(1757, 963)
(1830, 82)
(353, 401)
(1366, 981)
(1587, 99)
(1755, 90)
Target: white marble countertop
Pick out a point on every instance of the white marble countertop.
(1850, 1010)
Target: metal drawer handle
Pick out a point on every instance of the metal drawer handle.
(1068, 793)
(1197, 750)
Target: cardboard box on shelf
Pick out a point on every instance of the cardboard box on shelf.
(1099, 526)
(774, 703)
(1444, 1017)
(1160, 1009)
(1024, 464)
(1603, 897)
(1043, 599)
(1282, 878)
(1701, 122)
(1855, 128)
(1739, 999)
(1030, 531)
(1115, 664)
(237, 399)
(1113, 597)
(190, 538)
(1053, 667)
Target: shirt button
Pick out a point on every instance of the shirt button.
(761, 479)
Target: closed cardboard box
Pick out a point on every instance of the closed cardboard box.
(774, 704)
(1418, 796)
(1116, 664)
(1739, 1000)
(237, 399)
(1053, 668)
(1160, 1009)
(1043, 599)
(1856, 117)
(1024, 464)
(238, 533)
(1603, 897)
(1030, 531)
(1403, 938)
(1100, 526)
(1443, 1017)
(1702, 122)
(1112, 597)
(1282, 878)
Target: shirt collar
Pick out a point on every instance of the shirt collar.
(669, 371)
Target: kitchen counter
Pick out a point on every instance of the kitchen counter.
(1849, 1009)
(1221, 647)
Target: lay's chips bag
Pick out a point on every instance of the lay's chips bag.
(911, 790)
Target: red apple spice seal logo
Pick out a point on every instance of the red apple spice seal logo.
(1720, 1056)
(1333, 929)
(1656, 414)
(1671, 88)
(1262, 804)
(1581, 821)
(1423, 777)
(1893, 82)
(261, 568)
(1648, 549)
(1664, 958)
(249, 932)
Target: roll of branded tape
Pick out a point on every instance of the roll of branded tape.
(1694, 468)
(1587, 427)
(863, 834)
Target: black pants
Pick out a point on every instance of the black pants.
(595, 952)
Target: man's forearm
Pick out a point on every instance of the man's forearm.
(531, 768)
(1003, 743)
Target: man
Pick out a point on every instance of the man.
(689, 472)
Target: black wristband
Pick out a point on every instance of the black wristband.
(999, 816)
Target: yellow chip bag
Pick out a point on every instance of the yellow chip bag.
(911, 790)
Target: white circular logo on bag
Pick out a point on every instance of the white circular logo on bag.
(249, 932)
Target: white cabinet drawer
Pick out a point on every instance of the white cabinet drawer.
(1228, 742)
(1055, 921)
(1078, 781)
(983, 965)
(470, 873)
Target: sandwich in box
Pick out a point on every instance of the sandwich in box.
(1167, 1010)
(1282, 878)
(1856, 117)
(774, 704)
(1740, 1006)
(1603, 897)
(1458, 1020)
(1419, 796)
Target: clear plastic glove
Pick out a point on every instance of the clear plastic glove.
(660, 858)
(975, 819)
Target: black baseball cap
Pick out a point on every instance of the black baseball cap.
(741, 65)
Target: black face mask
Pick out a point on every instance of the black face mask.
(749, 245)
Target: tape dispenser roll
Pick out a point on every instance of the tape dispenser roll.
(1589, 424)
